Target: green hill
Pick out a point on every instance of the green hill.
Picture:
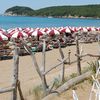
(59, 11)
(19, 10)
(86, 11)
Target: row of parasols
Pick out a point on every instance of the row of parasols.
(29, 32)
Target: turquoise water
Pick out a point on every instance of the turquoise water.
(19, 21)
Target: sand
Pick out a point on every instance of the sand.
(29, 77)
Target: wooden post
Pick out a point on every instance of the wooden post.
(15, 72)
(43, 55)
(99, 45)
(63, 65)
(69, 56)
(40, 74)
(19, 89)
(37, 67)
(43, 64)
(78, 58)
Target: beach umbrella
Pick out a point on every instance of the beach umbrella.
(28, 31)
(84, 29)
(3, 36)
(37, 33)
(2, 30)
(65, 30)
(53, 32)
(14, 29)
(73, 29)
(91, 28)
(98, 29)
(78, 29)
(18, 34)
(9, 31)
(44, 29)
(88, 28)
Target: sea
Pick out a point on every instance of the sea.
(7, 22)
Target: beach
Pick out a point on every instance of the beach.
(49, 49)
(27, 73)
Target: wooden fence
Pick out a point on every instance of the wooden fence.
(42, 73)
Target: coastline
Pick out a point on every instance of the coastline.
(73, 17)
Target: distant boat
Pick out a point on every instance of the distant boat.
(50, 17)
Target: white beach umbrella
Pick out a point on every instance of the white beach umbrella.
(65, 30)
(3, 30)
(19, 34)
(93, 29)
(28, 31)
(18, 28)
(53, 32)
(98, 29)
(73, 29)
(3, 36)
(38, 33)
(84, 29)
(88, 28)
(14, 29)
(11, 31)
(78, 28)
(44, 29)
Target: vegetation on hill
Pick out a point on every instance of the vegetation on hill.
(86, 11)
(59, 11)
(18, 10)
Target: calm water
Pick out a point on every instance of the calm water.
(18, 21)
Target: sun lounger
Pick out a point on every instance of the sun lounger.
(5, 54)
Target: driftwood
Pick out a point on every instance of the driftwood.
(19, 89)
(73, 81)
(69, 60)
(91, 55)
(45, 88)
(43, 63)
(63, 65)
(68, 84)
(15, 73)
(78, 58)
(43, 56)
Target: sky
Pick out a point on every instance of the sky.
(37, 4)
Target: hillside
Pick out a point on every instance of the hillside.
(59, 11)
(19, 10)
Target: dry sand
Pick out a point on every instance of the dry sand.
(29, 77)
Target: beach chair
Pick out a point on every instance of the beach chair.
(75, 97)
(1, 54)
(95, 89)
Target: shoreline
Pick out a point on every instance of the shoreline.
(64, 17)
